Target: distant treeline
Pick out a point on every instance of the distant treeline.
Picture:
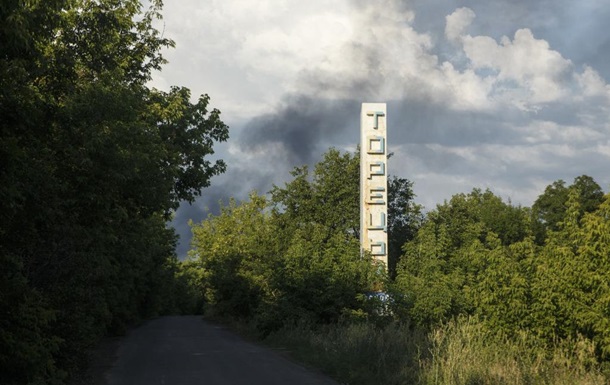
(537, 279)
(92, 163)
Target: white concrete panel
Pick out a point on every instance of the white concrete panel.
(374, 181)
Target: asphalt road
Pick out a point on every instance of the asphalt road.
(188, 350)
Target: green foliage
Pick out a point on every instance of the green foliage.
(459, 241)
(404, 218)
(474, 255)
(246, 273)
(316, 280)
(235, 252)
(549, 209)
(330, 198)
(294, 258)
(500, 306)
(574, 271)
(25, 319)
(94, 162)
(502, 294)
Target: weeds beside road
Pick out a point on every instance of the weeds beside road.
(457, 353)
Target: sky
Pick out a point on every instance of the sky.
(509, 95)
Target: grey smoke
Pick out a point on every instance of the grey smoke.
(302, 126)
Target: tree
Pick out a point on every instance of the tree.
(330, 197)
(549, 209)
(446, 267)
(571, 283)
(590, 194)
(235, 252)
(404, 218)
(255, 268)
(293, 259)
(95, 163)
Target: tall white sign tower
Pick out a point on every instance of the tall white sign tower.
(374, 181)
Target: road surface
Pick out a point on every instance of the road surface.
(190, 351)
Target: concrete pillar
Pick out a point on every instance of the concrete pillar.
(374, 181)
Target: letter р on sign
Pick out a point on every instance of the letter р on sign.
(373, 181)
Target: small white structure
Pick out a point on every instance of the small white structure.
(374, 181)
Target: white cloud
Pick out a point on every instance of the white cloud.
(284, 50)
(468, 91)
(538, 132)
(525, 60)
(592, 84)
(603, 149)
(525, 72)
(247, 55)
(457, 22)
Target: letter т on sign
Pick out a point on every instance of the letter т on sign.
(373, 181)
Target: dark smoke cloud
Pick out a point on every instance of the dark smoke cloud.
(303, 127)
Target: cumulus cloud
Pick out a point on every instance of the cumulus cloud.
(592, 85)
(457, 22)
(525, 62)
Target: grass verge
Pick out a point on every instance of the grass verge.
(461, 352)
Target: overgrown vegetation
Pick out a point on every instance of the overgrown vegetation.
(460, 352)
(477, 297)
(93, 163)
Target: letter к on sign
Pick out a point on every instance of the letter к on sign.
(373, 181)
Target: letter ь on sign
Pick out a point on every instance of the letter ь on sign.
(373, 181)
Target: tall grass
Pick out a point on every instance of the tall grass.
(461, 352)
(357, 353)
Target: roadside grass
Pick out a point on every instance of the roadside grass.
(461, 352)
(356, 353)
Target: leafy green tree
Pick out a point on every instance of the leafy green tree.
(404, 218)
(502, 286)
(28, 347)
(595, 252)
(571, 281)
(95, 163)
(318, 279)
(467, 259)
(510, 223)
(247, 273)
(549, 209)
(294, 258)
(446, 262)
(329, 197)
(590, 194)
(235, 252)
